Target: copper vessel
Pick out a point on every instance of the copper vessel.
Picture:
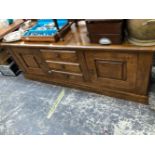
(141, 31)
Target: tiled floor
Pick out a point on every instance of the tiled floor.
(25, 106)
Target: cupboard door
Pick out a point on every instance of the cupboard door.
(112, 69)
(29, 60)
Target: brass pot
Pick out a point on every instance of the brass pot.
(141, 31)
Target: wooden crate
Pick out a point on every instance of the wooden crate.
(54, 38)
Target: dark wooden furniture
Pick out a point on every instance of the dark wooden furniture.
(111, 29)
(121, 71)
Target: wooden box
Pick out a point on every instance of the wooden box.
(109, 30)
(62, 32)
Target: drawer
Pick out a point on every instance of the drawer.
(59, 55)
(66, 76)
(64, 66)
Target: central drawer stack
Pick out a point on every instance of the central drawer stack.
(63, 64)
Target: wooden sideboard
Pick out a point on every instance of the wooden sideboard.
(121, 71)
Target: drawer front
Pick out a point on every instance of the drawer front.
(62, 66)
(112, 69)
(59, 55)
(66, 76)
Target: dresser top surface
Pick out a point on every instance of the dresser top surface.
(77, 39)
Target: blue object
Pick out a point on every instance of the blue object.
(42, 28)
(10, 21)
(61, 22)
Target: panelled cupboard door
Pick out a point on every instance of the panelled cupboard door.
(29, 60)
(112, 69)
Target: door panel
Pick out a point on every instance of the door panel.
(111, 69)
(30, 60)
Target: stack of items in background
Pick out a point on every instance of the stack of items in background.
(8, 67)
(140, 32)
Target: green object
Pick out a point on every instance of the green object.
(10, 21)
(56, 102)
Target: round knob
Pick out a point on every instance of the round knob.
(50, 72)
(57, 55)
(67, 76)
(104, 41)
(63, 66)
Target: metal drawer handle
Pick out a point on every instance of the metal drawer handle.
(57, 55)
(104, 41)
